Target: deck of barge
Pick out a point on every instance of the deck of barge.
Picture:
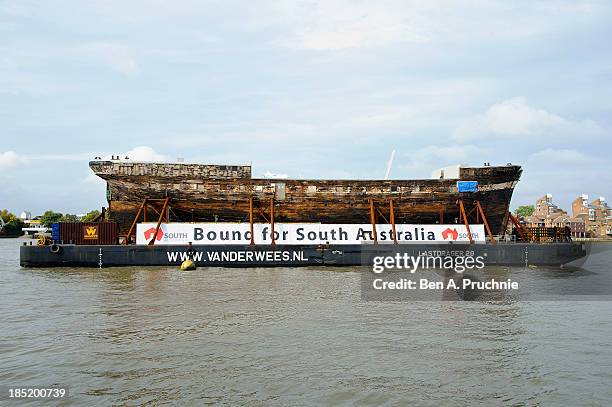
(289, 255)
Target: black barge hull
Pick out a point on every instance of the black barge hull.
(289, 256)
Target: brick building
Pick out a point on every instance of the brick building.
(547, 214)
(597, 215)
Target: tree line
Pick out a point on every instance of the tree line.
(13, 224)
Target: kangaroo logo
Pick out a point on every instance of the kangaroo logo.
(148, 234)
(450, 233)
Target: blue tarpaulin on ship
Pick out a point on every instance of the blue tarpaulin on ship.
(467, 186)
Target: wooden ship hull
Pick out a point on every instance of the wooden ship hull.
(225, 193)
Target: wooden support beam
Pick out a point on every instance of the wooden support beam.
(484, 219)
(272, 221)
(392, 217)
(144, 214)
(441, 216)
(161, 217)
(251, 220)
(465, 221)
(373, 221)
(127, 238)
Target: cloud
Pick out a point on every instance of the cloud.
(560, 156)
(344, 24)
(144, 153)
(429, 158)
(115, 56)
(340, 24)
(514, 118)
(9, 159)
(61, 157)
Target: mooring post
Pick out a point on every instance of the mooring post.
(392, 219)
(467, 225)
(373, 220)
(272, 220)
(251, 220)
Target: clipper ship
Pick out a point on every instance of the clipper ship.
(228, 193)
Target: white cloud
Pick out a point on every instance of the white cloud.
(339, 24)
(551, 156)
(342, 24)
(143, 153)
(115, 56)
(514, 118)
(9, 159)
(61, 157)
(429, 158)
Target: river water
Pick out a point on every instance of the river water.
(261, 337)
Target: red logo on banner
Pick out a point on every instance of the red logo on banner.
(148, 234)
(450, 233)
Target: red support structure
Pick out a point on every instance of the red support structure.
(251, 220)
(161, 217)
(133, 226)
(522, 231)
(467, 225)
(484, 219)
(392, 218)
(373, 221)
(272, 221)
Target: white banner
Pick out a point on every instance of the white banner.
(302, 233)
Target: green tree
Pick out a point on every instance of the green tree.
(69, 218)
(6, 215)
(12, 225)
(91, 215)
(525, 210)
(49, 218)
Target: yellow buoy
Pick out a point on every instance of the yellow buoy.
(188, 265)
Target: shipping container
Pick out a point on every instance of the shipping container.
(88, 233)
(55, 236)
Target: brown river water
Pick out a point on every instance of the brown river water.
(304, 336)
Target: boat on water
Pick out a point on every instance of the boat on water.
(226, 193)
(166, 202)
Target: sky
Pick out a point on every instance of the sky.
(316, 89)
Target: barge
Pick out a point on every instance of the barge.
(161, 213)
(99, 256)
